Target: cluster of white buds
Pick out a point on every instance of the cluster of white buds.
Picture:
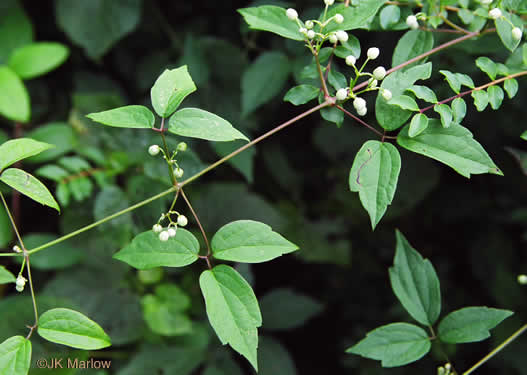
(495, 13)
(411, 21)
(360, 106)
(517, 33)
(522, 279)
(170, 231)
(444, 370)
(20, 283)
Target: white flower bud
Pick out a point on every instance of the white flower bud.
(329, 2)
(164, 236)
(17, 249)
(339, 18)
(522, 279)
(372, 82)
(291, 14)
(362, 111)
(302, 30)
(411, 21)
(178, 172)
(157, 228)
(373, 53)
(342, 35)
(310, 34)
(21, 281)
(350, 60)
(153, 150)
(182, 220)
(516, 33)
(310, 24)
(333, 38)
(19, 288)
(379, 73)
(495, 13)
(171, 232)
(386, 94)
(341, 94)
(182, 146)
(359, 103)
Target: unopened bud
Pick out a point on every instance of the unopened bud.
(291, 14)
(350, 60)
(339, 18)
(495, 13)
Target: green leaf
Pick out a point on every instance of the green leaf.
(19, 149)
(6, 230)
(263, 80)
(504, 29)
(52, 172)
(496, 96)
(511, 87)
(285, 309)
(395, 344)
(481, 99)
(170, 89)
(470, 324)
(389, 16)
(418, 124)
(459, 109)
(94, 26)
(453, 146)
(413, 43)
(354, 16)
(197, 123)
(415, 283)
(29, 185)
(147, 251)
(71, 328)
(243, 162)
(374, 175)
(37, 59)
(350, 47)
(388, 116)
(14, 99)
(446, 114)
(130, 116)
(59, 134)
(16, 29)
(424, 93)
(274, 358)
(232, 309)
(452, 80)
(405, 102)
(488, 66)
(271, 18)
(465, 80)
(6, 276)
(301, 94)
(15, 356)
(250, 242)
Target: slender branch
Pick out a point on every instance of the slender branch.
(199, 224)
(482, 87)
(321, 76)
(35, 309)
(496, 350)
(102, 221)
(363, 122)
(328, 102)
(454, 26)
(12, 220)
(423, 55)
(167, 152)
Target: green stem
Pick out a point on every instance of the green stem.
(12, 222)
(204, 235)
(102, 221)
(33, 298)
(167, 152)
(497, 350)
(255, 141)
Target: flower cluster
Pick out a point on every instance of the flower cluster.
(171, 229)
(20, 283)
(154, 150)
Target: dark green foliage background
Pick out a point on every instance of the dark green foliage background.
(474, 231)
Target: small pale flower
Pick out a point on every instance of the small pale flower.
(341, 94)
(310, 34)
(182, 146)
(342, 36)
(386, 94)
(291, 14)
(178, 172)
(339, 18)
(182, 220)
(171, 232)
(310, 24)
(153, 150)
(17, 249)
(411, 21)
(164, 236)
(373, 53)
(21, 281)
(516, 33)
(350, 60)
(157, 228)
(329, 2)
(362, 111)
(522, 279)
(333, 38)
(379, 73)
(372, 82)
(495, 13)
(359, 103)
